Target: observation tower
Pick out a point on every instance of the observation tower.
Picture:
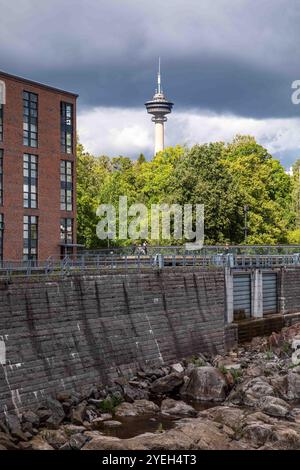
(159, 107)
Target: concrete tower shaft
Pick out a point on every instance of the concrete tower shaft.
(159, 107)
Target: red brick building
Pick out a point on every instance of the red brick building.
(37, 170)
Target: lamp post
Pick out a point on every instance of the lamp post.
(246, 209)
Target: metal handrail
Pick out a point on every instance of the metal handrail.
(99, 263)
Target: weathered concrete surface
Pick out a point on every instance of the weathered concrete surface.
(68, 334)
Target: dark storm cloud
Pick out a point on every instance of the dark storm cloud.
(237, 56)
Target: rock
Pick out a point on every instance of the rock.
(38, 443)
(78, 414)
(258, 433)
(3, 427)
(157, 373)
(274, 406)
(67, 405)
(95, 402)
(25, 446)
(91, 415)
(57, 413)
(6, 441)
(205, 384)
(98, 422)
(293, 385)
(100, 442)
(190, 434)
(131, 393)
(177, 408)
(77, 441)
(112, 424)
(167, 384)
(254, 371)
(63, 396)
(105, 416)
(270, 433)
(14, 426)
(94, 393)
(251, 391)
(71, 429)
(43, 415)
(138, 408)
(229, 416)
(54, 437)
(177, 368)
(295, 415)
(32, 418)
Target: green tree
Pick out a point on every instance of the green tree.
(264, 187)
(92, 173)
(201, 177)
(296, 192)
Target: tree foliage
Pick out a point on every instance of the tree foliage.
(223, 177)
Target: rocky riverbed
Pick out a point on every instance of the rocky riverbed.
(248, 399)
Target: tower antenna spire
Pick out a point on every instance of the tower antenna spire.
(159, 107)
(159, 77)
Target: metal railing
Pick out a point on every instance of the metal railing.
(206, 250)
(88, 262)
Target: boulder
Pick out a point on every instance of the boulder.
(77, 441)
(251, 391)
(54, 437)
(43, 415)
(230, 416)
(177, 368)
(138, 408)
(167, 384)
(14, 426)
(63, 396)
(91, 415)
(100, 442)
(177, 408)
(293, 385)
(270, 433)
(112, 424)
(7, 442)
(205, 384)
(56, 411)
(38, 443)
(189, 434)
(78, 414)
(32, 418)
(274, 406)
(132, 393)
(71, 429)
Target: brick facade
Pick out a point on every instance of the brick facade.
(49, 156)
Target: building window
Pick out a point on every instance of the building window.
(66, 116)
(66, 231)
(1, 236)
(30, 119)
(66, 185)
(1, 177)
(30, 182)
(30, 234)
(1, 122)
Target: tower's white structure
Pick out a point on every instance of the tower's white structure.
(159, 106)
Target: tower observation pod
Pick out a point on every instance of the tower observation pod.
(159, 106)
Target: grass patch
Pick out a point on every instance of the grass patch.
(109, 404)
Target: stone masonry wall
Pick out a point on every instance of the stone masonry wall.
(68, 334)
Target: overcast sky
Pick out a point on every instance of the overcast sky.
(228, 65)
